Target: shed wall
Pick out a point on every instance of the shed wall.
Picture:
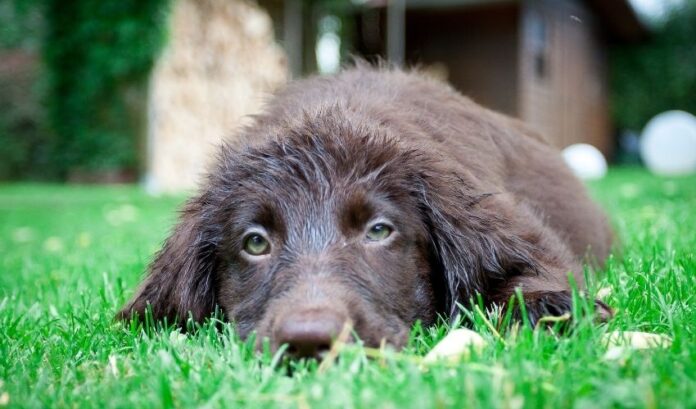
(563, 78)
(478, 47)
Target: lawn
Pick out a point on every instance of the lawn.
(71, 255)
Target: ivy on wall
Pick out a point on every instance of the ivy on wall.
(98, 55)
(22, 135)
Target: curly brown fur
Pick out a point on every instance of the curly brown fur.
(477, 203)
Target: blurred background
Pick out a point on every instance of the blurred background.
(116, 91)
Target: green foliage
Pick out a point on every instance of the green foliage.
(98, 55)
(23, 136)
(24, 143)
(657, 76)
(84, 107)
(72, 255)
(20, 24)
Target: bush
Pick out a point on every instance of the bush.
(25, 143)
(83, 108)
(23, 135)
(98, 55)
(659, 75)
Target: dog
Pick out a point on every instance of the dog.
(375, 198)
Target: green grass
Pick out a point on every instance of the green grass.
(71, 255)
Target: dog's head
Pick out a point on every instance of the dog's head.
(330, 225)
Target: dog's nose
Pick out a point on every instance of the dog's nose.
(309, 334)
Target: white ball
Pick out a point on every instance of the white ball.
(668, 143)
(586, 161)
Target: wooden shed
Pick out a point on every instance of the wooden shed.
(544, 61)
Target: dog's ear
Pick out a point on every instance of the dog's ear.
(475, 238)
(180, 279)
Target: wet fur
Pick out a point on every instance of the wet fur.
(483, 206)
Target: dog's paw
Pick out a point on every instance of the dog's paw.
(549, 308)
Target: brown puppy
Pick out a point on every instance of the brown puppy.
(377, 198)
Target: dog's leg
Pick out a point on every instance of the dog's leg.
(546, 288)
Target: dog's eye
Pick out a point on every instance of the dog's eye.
(256, 245)
(379, 231)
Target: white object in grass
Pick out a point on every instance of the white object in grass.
(668, 143)
(621, 344)
(636, 340)
(456, 345)
(586, 161)
(604, 293)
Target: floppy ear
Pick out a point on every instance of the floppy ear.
(180, 279)
(473, 236)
